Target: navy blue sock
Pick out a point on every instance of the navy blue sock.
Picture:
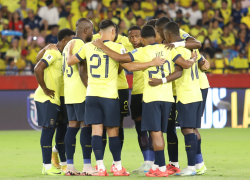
(151, 153)
(85, 140)
(191, 148)
(199, 158)
(46, 144)
(199, 147)
(143, 140)
(115, 147)
(160, 158)
(97, 146)
(121, 136)
(70, 144)
(172, 140)
(60, 144)
(104, 140)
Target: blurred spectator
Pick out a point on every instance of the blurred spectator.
(23, 10)
(223, 14)
(214, 33)
(240, 62)
(32, 22)
(246, 20)
(16, 23)
(182, 25)
(52, 38)
(28, 69)
(226, 41)
(149, 7)
(4, 45)
(3, 22)
(194, 14)
(129, 19)
(5, 13)
(136, 9)
(240, 42)
(32, 4)
(117, 12)
(20, 63)
(232, 29)
(218, 4)
(84, 10)
(122, 28)
(159, 14)
(199, 32)
(36, 36)
(184, 3)
(49, 13)
(179, 17)
(12, 5)
(219, 63)
(11, 69)
(14, 51)
(33, 50)
(110, 17)
(208, 48)
(237, 13)
(205, 20)
(92, 4)
(173, 9)
(209, 10)
(139, 21)
(2, 66)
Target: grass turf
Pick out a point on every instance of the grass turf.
(225, 152)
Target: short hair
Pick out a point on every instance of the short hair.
(162, 21)
(129, 11)
(151, 22)
(173, 27)
(81, 20)
(64, 33)
(199, 22)
(171, 1)
(194, 4)
(106, 23)
(49, 2)
(225, 1)
(148, 31)
(111, 2)
(134, 28)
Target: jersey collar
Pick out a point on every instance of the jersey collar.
(105, 41)
(59, 50)
(153, 43)
(78, 38)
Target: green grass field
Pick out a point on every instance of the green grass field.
(226, 153)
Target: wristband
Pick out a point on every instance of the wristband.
(179, 44)
(164, 80)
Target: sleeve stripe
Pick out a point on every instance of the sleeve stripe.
(187, 37)
(200, 60)
(176, 57)
(47, 64)
(131, 56)
(78, 57)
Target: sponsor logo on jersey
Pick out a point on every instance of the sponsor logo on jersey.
(134, 51)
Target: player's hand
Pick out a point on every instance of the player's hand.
(170, 46)
(205, 66)
(154, 81)
(49, 93)
(158, 61)
(51, 47)
(98, 43)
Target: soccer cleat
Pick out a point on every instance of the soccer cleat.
(53, 172)
(96, 167)
(55, 160)
(64, 168)
(172, 169)
(202, 170)
(88, 171)
(101, 173)
(43, 170)
(71, 173)
(158, 173)
(143, 169)
(122, 172)
(186, 172)
(112, 168)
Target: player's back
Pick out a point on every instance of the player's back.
(74, 89)
(102, 70)
(162, 92)
(187, 86)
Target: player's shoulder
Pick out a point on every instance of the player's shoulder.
(51, 53)
(184, 34)
(96, 36)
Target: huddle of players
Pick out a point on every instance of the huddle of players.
(91, 85)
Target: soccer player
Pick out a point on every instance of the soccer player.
(75, 83)
(189, 99)
(47, 97)
(157, 101)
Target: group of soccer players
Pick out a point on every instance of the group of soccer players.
(82, 84)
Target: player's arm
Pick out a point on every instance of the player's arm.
(39, 73)
(120, 68)
(121, 58)
(191, 43)
(48, 47)
(204, 65)
(175, 75)
(185, 64)
(82, 67)
(137, 66)
(72, 58)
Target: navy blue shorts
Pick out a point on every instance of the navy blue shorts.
(62, 115)
(204, 96)
(136, 106)
(102, 111)
(47, 114)
(189, 115)
(76, 111)
(172, 117)
(155, 116)
(123, 98)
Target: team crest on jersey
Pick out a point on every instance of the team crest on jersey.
(135, 50)
(123, 51)
(185, 35)
(32, 113)
(49, 57)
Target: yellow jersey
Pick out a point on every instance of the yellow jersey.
(216, 33)
(226, 13)
(194, 32)
(184, 35)
(148, 6)
(226, 41)
(102, 70)
(122, 79)
(187, 86)
(52, 77)
(32, 4)
(74, 89)
(12, 5)
(162, 92)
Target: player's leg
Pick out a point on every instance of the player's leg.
(47, 115)
(70, 139)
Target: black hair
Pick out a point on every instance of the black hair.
(199, 22)
(134, 28)
(113, 2)
(148, 31)
(116, 31)
(54, 26)
(162, 21)
(225, 1)
(49, 2)
(151, 22)
(173, 27)
(64, 33)
(218, 50)
(129, 11)
(138, 17)
(171, 1)
(194, 4)
(225, 26)
(106, 23)
(13, 22)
